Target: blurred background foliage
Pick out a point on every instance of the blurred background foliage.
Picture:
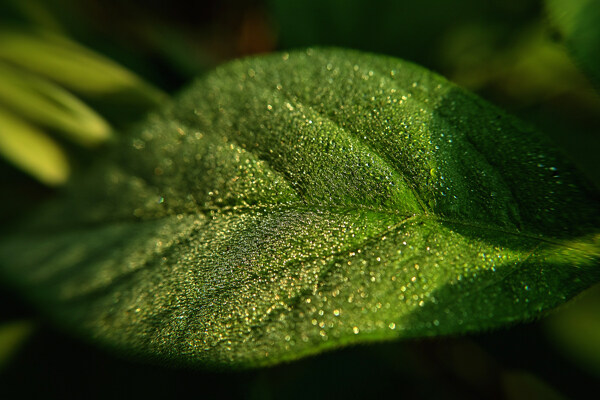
(74, 74)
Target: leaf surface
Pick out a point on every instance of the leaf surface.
(292, 203)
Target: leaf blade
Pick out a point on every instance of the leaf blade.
(294, 203)
(32, 150)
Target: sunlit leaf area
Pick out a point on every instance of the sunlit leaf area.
(317, 199)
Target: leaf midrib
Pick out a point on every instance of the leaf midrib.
(301, 206)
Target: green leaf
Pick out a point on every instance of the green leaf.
(38, 71)
(575, 331)
(578, 22)
(71, 65)
(32, 150)
(12, 336)
(293, 203)
(48, 104)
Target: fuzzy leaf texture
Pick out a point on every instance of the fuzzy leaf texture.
(292, 203)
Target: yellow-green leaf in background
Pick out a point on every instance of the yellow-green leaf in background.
(40, 73)
(51, 106)
(32, 150)
(73, 66)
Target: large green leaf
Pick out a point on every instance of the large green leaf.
(296, 202)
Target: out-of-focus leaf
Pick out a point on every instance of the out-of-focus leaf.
(73, 66)
(576, 330)
(298, 202)
(32, 12)
(522, 385)
(38, 73)
(32, 150)
(532, 71)
(579, 23)
(411, 29)
(51, 106)
(12, 335)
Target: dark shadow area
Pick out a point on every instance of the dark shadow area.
(54, 366)
(553, 198)
(531, 287)
(412, 30)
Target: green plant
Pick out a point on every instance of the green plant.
(303, 201)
